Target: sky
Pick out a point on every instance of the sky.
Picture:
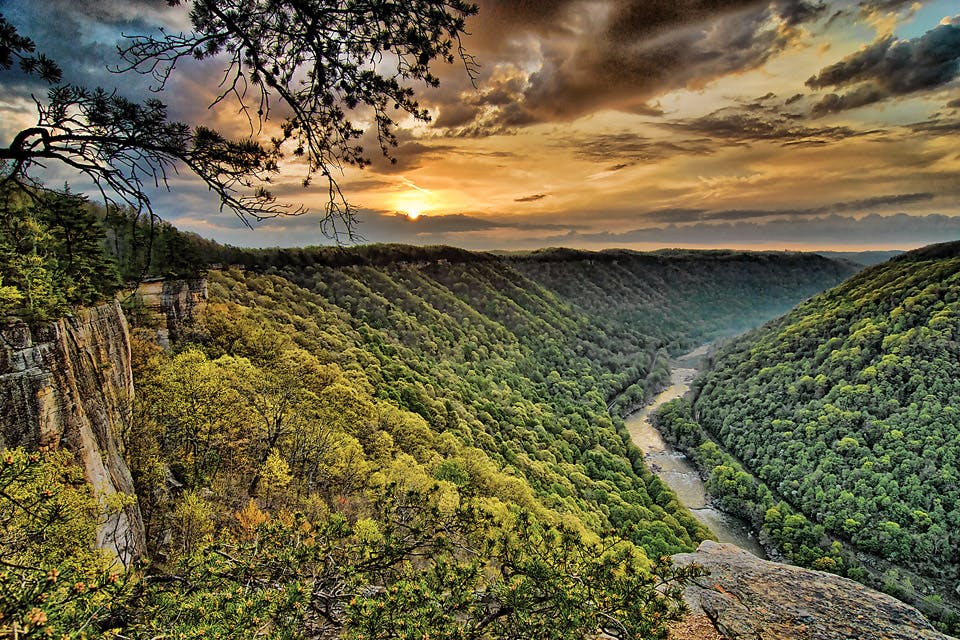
(786, 124)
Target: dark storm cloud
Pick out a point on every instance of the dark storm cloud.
(937, 126)
(618, 56)
(730, 126)
(865, 205)
(889, 68)
(872, 7)
(881, 201)
(628, 148)
(409, 154)
(411, 151)
(370, 226)
(375, 226)
(630, 64)
(82, 37)
(854, 206)
(495, 108)
(456, 223)
(796, 13)
(676, 216)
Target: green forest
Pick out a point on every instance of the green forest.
(387, 441)
(380, 442)
(845, 411)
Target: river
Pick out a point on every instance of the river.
(675, 469)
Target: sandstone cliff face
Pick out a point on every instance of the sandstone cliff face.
(745, 597)
(68, 383)
(173, 303)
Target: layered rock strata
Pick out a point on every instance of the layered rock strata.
(69, 384)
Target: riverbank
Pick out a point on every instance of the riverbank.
(675, 469)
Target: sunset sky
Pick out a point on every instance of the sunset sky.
(630, 123)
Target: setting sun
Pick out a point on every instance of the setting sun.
(414, 203)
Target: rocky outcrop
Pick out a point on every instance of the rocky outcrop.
(172, 304)
(69, 384)
(746, 597)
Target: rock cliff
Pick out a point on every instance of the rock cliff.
(173, 303)
(69, 384)
(745, 597)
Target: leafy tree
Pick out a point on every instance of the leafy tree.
(53, 583)
(52, 254)
(417, 566)
(319, 62)
(86, 271)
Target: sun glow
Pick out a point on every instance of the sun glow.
(414, 204)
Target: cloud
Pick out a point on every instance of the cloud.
(865, 205)
(455, 223)
(898, 230)
(627, 148)
(383, 227)
(632, 63)
(796, 13)
(676, 215)
(871, 8)
(409, 154)
(881, 201)
(853, 206)
(557, 61)
(760, 123)
(83, 38)
(533, 198)
(937, 126)
(890, 67)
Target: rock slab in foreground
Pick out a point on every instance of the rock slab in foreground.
(746, 597)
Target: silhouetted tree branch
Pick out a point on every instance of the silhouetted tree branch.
(323, 64)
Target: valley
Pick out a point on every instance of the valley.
(840, 420)
(435, 421)
(675, 469)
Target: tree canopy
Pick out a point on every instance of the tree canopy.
(847, 409)
(323, 66)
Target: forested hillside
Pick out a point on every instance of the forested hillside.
(390, 442)
(683, 297)
(847, 409)
(611, 314)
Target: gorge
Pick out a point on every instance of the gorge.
(675, 469)
(475, 381)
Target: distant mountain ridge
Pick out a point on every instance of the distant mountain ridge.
(864, 258)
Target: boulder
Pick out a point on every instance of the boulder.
(746, 597)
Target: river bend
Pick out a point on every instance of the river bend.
(675, 469)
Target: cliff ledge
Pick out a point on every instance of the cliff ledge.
(745, 597)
